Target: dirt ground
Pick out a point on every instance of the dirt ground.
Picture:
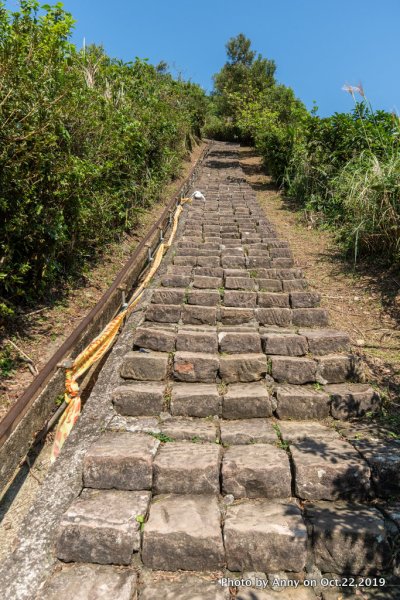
(362, 300)
(40, 331)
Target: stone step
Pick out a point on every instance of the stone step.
(329, 469)
(187, 468)
(187, 587)
(352, 400)
(302, 402)
(137, 399)
(246, 401)
(348, 538)
(256, 471)
(91, 582)
(239, 343)
(382, 453)
(174, 296)
(332, 368)
(122, 461)
(199, 400)
(326, 341)
(101, 526)
(145, 366)
(154, 338)
(183, 533)
(164, 313)
(248, 431)
(265, 537)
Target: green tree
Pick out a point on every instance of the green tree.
(245, 72)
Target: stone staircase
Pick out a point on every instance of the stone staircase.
(222, 457)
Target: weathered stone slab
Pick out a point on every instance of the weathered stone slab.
(90, 582)
(269, 285)
(240, 283)
(187, 468)
(284, 263)
(199, 315)
(159, 340)
(235, 316)
(272, 300)
(123, 461)
(204, 298)
(197, 341)
(336, 368)
(255, 471)
(289, 273)
(264, 536)
(348, 539)
(216, 272)
(193, 589)
(163, 313)
(233, 262)
(246, 401)
(240, 299)
(207, 282)
(185, 260)
(254, 262)
(149, 366)
(101, 527)
(136, 399)
(175, 280)
(242, 367)
(289, 593)
(294, 285)
(209, 261)
(326, 341)
(297, 431)
(352, 400)
(233, 251)
(274, 316)
(183, 533)
(328, 470)
(179, 270)
(248, 431)
(304, 299)
(170, 296)
(189, 429)
(134, 424)
(310, 317)
(383, 456)
(237, 343)
(280, 252)
(301, 402)
(288, 369)
(284, 344)
(240, 273)
(195, 400)
(196, 366)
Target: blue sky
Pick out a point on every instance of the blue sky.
(318, 45)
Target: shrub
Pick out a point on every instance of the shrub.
(86, 144)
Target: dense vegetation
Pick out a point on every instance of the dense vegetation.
(86, 143)
(345, 168)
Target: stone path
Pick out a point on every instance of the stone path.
(221, 458)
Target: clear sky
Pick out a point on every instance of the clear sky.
(318, 45)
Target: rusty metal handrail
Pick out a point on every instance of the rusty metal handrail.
(20, 408)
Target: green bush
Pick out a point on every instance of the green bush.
(86, 144)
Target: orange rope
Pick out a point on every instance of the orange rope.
(99, 346)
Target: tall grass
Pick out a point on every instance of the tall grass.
(368, 188)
